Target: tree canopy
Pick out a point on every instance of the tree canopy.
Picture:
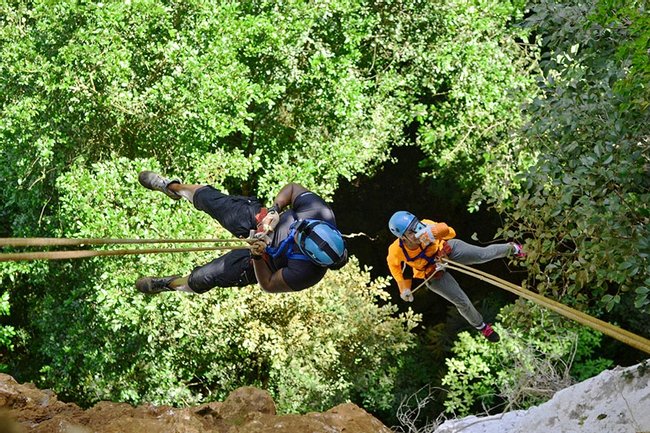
(583, 204)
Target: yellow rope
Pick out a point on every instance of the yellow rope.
(613, 331)
(80, 254)
(42, 242)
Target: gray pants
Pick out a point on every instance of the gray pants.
(467, 254)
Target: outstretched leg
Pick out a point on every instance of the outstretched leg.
(468, 254)
(447, 287)
(154, 285)
(235, 213)
(171, 187)
(232, 269)
(185, 190)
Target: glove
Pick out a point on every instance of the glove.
(425, 235)
(257, 243)
(429, 233)
(406, 295)
(270, 221)
(258, 248)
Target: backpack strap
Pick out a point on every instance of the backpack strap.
(286, 246)
(421, 255)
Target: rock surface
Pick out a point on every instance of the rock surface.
(615, 401)
(246, 410)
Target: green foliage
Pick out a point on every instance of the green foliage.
(7, 332)
(633, 19)
(472, 78)
(276, 83)
(248, 96)
(97, 338)
(585, 207)
(420, 368)
(537, 352)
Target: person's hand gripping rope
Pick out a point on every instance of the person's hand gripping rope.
(261, 238)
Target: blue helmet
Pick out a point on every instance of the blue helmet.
(322, 243)
(402, 221)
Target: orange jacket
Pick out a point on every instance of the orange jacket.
(396, 258)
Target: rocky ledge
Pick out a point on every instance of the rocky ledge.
(246, 410)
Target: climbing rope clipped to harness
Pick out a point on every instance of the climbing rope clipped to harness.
(318, 241)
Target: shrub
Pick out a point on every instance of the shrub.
(539, 354)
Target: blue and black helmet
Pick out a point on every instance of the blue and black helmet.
(403, 221)
(322, 243)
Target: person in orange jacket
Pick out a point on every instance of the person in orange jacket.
(417, 251)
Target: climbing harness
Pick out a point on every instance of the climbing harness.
(286, 246)
(420, 255)
(438, 266)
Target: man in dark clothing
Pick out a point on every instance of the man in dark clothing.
(291, 251)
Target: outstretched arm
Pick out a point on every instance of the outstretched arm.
(288, 195)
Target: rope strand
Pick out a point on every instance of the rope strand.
(80, 254)
(43, 242)
(613, 331)
(620, 334)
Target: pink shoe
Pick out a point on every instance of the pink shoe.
(490, 333)
(518, 250)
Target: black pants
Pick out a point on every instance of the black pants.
(236, 214)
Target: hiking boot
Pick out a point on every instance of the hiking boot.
(490, 333)
(518, 250)
(156, 182)
(153, 285)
